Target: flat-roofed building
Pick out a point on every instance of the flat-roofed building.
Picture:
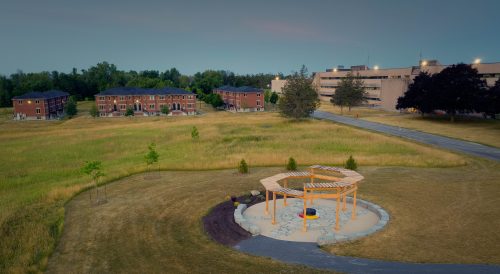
(37, 105)
(242, 99)
(277, 85)
(146, 102)
(385, 86)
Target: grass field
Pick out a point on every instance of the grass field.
(466, 128)
(437, 215)
(154, 226)
(40, 161)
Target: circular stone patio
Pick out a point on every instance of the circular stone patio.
(288, 227)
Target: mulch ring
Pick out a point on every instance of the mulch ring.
(220, 225)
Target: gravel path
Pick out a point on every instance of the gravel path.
(422, 137)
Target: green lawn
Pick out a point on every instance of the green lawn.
(40, 161)
(466, 128)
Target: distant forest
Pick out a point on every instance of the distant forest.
(85, 84)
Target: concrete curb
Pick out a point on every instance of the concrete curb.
(240, 220)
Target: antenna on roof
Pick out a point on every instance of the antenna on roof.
(368, 61)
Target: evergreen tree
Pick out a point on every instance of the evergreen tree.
(274, 98)
(349, 93)
(93, 111)
(300, 98)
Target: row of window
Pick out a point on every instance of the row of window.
(151, 106)
(151, 97)
(360, 77)
(20, 102)
(366, 88)
(237, 94)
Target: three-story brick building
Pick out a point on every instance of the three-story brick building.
(147, 102)
(37, 105)
(241, 98)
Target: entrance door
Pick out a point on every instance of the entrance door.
(115, 108)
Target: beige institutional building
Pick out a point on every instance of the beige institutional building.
(385, 86)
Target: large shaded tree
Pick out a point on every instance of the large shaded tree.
(300, 97)
(489, 101)
(349, 93)
(457, 87)
(420, 95)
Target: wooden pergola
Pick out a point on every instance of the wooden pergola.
(330, 185)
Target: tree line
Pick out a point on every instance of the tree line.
(458, 89)
(84, 84)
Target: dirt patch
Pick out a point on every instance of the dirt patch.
(220, 225)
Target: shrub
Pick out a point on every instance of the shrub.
(93, 111)
(164, 109)
(129, 112)
(351, 163)
(292, 164)
(70, 107)
(195, 135)
(243, 167)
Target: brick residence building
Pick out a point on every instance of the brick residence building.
(147, 102)
(241, 98)
(37, 105)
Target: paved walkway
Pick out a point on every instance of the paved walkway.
(309, 254)
(427, 138)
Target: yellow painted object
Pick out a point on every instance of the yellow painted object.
(309, 217)
(336, 187)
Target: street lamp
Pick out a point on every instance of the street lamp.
(375, 67)
(477, 61)
(335, 70)
(277, 78)
(423, 63)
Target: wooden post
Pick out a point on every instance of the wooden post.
(312, 181)
(354, 205)
(337, 226)
(267, 202)
(344, 208)
(304, 216)
(285, 184)
(274, 211)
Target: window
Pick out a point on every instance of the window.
(258, 102)
(123, 106)
(20, 102)
(122, 98)
(38, 110)
(162, 97)
(152, 106)
(101, 107)
(258, 94)
(151, 97)
(37, 102)
(182, 97)
(101, 98)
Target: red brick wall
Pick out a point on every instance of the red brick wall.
(242, 99)
(187, 103)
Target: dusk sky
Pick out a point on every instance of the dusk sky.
(244, 36)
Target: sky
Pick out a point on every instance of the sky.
(250, 36)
